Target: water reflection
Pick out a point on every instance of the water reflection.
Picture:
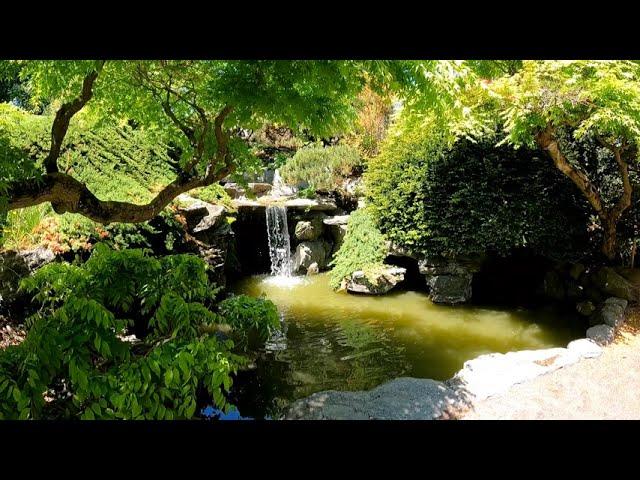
(336, 341)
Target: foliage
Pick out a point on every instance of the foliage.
(215, 194)
(594, 98)
(321, 167)
(363, 248)
(253, 319)
(371, 123)
(433, 195)
(75, 350)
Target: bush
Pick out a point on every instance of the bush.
(321, 168)
(75, 351)
(363, 248)
(434, 197)
(252, 319)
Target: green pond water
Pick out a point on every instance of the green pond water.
(339, 341)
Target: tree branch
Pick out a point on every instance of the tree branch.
(63, 117)
(547, 141)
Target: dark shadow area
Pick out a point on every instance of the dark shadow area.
(413, 280)
(515, 280)
(252, 244)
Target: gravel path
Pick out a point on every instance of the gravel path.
(602, 388)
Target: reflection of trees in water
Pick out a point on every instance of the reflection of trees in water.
(350, 356)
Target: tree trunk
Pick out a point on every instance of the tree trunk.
(609, 217)
(609, 242)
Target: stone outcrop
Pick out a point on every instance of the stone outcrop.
(449, 281)
(375, 283)
(311, 228)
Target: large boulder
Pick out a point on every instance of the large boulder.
(614, 284)
(611, 313)
(375, 283)
(601, 334)
(308, 253)
(450, 289)
(311, 228)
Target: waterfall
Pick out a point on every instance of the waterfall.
(279, 187)
(279, 243)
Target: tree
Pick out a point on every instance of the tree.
(588, 99)
(196, 105)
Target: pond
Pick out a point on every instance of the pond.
(339, 341)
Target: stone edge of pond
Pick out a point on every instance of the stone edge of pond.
(407, 398)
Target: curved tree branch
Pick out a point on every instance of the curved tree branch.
(68, 194)
(64, 115)
(546, 140)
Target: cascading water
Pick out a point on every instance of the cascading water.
(279, 243)
(280, 248)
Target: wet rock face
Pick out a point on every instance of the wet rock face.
(376, 283)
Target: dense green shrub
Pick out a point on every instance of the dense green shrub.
(321, 167)
(363, 248)
(252, 319)
(76, 353)
(468, 197)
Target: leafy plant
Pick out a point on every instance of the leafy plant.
(253, 319)
(363, 248)
(77, 356)
(321, 167)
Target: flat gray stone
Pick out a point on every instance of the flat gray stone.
(400, 399)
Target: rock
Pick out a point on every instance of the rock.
(447, 266)
(233, 190)
(311, 228)
(614, 284)
(495, 373)
(338, 233)
(313, 269)
(400, 399)
(14, 266)
(38, 257)
(611, 313)
(601, 334)
(308, 253)
(336, 220)
(553, 286)
(585, 347)
(375, 283)
(576, 270)
(399, 251)
(201, 216)
(260, 189)
(449, 289)
(585, 308)
(621, 302)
